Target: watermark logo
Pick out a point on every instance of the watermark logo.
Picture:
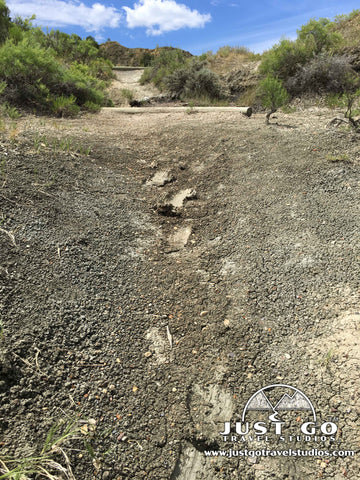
(297, 401)
(274, 410)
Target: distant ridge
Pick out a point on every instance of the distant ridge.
(134, 57)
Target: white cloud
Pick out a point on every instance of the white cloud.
(60, 13)
(160, 16)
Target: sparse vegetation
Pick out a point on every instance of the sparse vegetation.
(127, 94)
(347, 16)
(272, 95)
(338, 158)
(349, 101)
(65, 144)
(52, 460)
(226, 50)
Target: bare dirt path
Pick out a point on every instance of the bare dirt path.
(129, 80)
(160, 281)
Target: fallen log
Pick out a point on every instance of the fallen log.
(246, 111)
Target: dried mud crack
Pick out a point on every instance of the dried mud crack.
(159, 318)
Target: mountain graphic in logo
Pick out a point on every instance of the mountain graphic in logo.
(260, 402)
(296, 402)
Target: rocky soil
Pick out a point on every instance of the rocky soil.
(159, 269)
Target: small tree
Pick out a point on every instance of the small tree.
(320, 35)
(284, 58)
(351, 95)
(272, 95)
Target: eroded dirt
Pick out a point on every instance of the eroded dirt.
(127, 83)
(160, 325)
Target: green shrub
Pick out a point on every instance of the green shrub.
(33, 75)
(127, 94)
(10, 111)
(284, 58)
(319, 36)
(30, 73)
(101, 69)
(92, 107)
(345, 17)
(272, 94)
(64, 106)
(23, 28)
(72, 47)
(322, 74)
(146, 59)
(334, 100)
(194, 81)
(78, 81)
(163, 65)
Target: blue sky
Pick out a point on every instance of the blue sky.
(196, 26)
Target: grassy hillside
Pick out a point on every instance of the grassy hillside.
(229, 58)
(349, 28)
(135, 57)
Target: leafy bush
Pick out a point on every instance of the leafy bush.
(64, 106)
(163, 65)
(102, 69)
(146, 59)
(35, 78)
(322, 74)
(10, 111)
(23, 28)
(29, 71)
(319, 36)
(79, 82)
(93, 107)
(194, 81)
(72, 47)
(284, 58)
(272, 94)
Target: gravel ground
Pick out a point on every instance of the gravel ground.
(158, 270)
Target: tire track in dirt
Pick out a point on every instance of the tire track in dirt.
(176, 306)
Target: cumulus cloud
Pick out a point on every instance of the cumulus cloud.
(159, 16)
(60, 13)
